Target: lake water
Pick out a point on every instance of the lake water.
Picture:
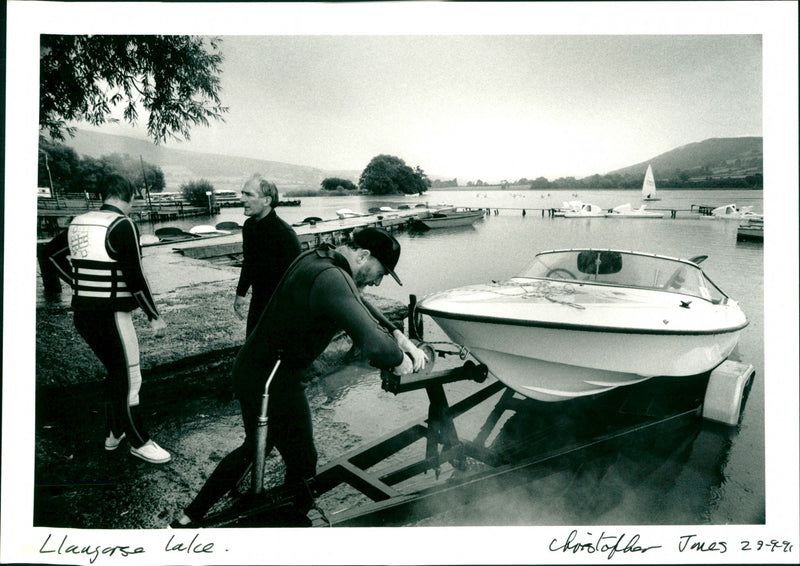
(703, 476)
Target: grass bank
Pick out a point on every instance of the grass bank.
(202, 328)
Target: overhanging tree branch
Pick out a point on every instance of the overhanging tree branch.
(174, 78)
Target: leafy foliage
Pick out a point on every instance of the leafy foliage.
(174, 78)
(62, 168)
(195, 192)
(387, 174)
(337, 184)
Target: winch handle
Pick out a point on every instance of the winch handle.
(261, 434)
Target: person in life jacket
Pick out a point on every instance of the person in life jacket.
(100, 258)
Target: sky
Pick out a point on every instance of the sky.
(490, 107)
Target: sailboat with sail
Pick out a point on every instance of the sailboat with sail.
(649, 186)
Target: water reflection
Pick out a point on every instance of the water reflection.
(641, 455)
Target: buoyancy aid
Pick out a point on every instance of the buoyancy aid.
(98, 277)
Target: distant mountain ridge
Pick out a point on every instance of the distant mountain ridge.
(718, 157)
(182, 165)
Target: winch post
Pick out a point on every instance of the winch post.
(441, 429)
(415, 329)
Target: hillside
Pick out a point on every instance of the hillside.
(181, 165)
(717, 157)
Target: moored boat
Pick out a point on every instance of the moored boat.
(733, 212)
(752, 230)
(451, 219)
(627, 211)
(578, 209)
(347, 213)
(582, 321)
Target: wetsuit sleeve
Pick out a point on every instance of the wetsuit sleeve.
(380, 317)
(56, 253)
(123, 245)
(334, 295)
(245, 278)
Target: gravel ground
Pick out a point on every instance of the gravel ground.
(186, 399)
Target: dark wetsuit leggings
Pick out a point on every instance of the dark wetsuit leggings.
(112, 338)
(289, 430)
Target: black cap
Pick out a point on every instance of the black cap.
(382, 246)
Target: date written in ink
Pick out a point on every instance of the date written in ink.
(692, 543)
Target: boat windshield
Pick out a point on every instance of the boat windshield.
(626, 269)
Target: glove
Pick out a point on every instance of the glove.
(407, 366)
(417, 355)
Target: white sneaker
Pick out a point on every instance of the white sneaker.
(151, 452)
(112, 442)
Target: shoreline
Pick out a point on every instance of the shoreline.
(202, 326)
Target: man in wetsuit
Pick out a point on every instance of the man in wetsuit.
(99, 256)
(269, 246)
(319, 295)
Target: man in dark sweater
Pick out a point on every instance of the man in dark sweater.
(269, 245)
(319, 296)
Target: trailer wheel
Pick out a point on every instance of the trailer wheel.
(726, 392)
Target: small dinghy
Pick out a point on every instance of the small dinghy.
(228, 225)
(206, 230)
(172, 233)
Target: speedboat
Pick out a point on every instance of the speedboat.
(733, 212)
(581, 322)
(451, 219)
(627, 211)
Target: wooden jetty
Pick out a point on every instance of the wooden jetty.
(55, 214)
(332, 231)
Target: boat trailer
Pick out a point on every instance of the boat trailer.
(392, 477)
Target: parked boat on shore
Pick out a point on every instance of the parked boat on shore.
(580, 322)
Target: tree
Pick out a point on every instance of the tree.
(337, 184)
(195, 192)
(72, 174)
(540, 183)
(174, 78)
(387, 174)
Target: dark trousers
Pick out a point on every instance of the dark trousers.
(257, 305)
(112, 338)
(289, 430)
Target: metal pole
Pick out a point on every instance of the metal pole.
(50, 178)
(146, 188)
(261, 435)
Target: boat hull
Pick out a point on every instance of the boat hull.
(451, 221)
(750, 234)
(556, 340)
(532, 360)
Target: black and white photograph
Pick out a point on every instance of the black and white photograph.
(487, 281)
